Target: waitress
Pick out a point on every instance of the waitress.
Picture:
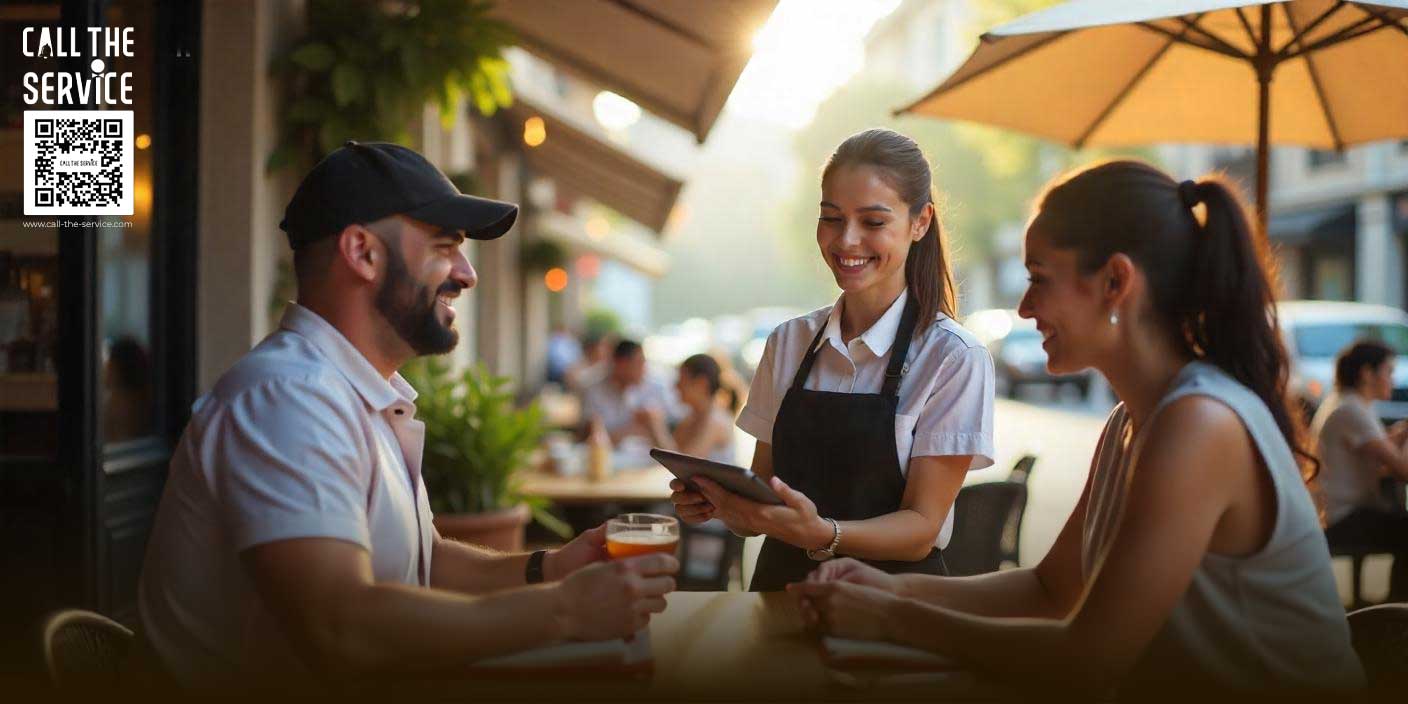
(867, 413)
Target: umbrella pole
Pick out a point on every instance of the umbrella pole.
(1263, 151)
(1264, 63)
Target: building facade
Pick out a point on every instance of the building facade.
(1338, 220)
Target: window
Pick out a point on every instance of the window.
(128, 382)
(1321, 158)
(1325, 340)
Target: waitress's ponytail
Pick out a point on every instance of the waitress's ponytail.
(927, 272)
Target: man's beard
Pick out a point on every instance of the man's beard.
(410, 308)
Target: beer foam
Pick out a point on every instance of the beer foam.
(642, 537)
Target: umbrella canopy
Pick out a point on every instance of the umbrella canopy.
(1318, 73)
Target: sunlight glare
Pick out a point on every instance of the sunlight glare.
(805, 51)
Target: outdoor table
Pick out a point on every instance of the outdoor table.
(715, 646)
(646, 484)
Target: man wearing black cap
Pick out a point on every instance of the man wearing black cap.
(294, 538)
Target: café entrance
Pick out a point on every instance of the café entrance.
(97, 330)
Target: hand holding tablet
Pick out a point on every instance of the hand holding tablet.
(735, 479)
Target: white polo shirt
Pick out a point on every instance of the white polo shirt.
(302, 438)
(945, 397)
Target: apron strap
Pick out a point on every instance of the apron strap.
(899, 352)
(899, 349)
(805, 370)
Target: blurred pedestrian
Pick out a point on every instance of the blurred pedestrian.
(707, 428)
(564, 351)
(1357, 454)
(618, 400)
(593, 365)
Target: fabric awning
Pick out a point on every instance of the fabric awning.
(641, 253)
(1332, 222)
(679, 59)
(584, 164)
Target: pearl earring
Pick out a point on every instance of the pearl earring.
(1114, 318)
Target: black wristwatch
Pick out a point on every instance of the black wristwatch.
(533, 573)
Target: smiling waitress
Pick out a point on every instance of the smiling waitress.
(868, 413)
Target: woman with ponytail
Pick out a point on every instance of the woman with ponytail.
(869, 412)
(1194, 558)
(707, 430)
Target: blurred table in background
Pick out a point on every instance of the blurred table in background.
(641, 485)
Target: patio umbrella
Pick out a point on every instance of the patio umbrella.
(1318, 73)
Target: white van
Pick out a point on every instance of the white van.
(1316, 331)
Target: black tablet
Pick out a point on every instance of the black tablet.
(736, 479)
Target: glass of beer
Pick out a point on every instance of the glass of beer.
(632, 534)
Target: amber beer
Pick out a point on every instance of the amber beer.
(640, 542)
(633, 534)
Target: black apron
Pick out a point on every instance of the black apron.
(839, 450)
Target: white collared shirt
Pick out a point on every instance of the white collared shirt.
(616, 407)
(302, 438)
(945, 397)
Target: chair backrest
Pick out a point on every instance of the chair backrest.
(1380, 636)
(1022, 470)
(1012, 533)
(707, 555)
(981, 514)
(84, 650)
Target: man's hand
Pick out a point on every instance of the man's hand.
(585, 549)
(1398, 432)
(649, 417)
(614, 599)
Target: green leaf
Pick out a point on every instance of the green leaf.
(280, 158)
(347, 87)
(316, 56)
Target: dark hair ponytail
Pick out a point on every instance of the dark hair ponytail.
(927, 272)
(1354, 359)
(1210, 279)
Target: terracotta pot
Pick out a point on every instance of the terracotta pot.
(499, 530)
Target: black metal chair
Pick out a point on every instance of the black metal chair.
(84, 650)
(981, 515)
(1356, 555)
(708, 553)
(1380, 636)
(1022, 470)
(1012, 532)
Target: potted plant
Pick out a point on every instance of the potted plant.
(476, 442)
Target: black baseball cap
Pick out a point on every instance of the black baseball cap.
(363, 182)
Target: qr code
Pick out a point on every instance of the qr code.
(78, 162)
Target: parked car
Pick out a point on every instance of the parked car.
(1316, 331)
(1017, 355)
